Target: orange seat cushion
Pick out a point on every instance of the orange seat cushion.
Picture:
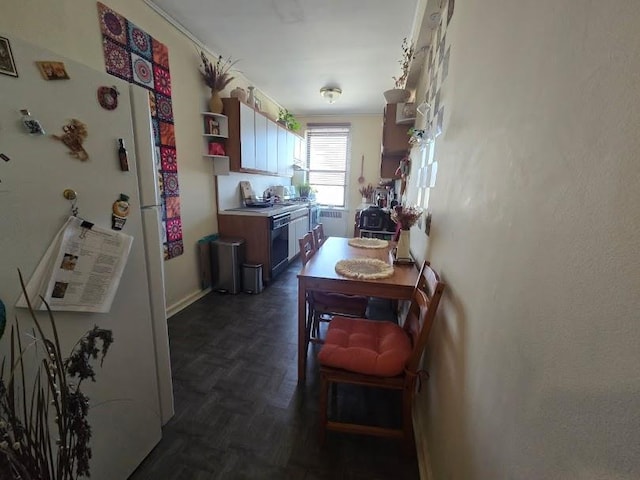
(365, 346)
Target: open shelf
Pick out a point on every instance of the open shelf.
(220, 164)
(213, 121)
(215, 129)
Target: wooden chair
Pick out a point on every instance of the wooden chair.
(323, 305)
(318, 235)
(307, 247)
(380, 354)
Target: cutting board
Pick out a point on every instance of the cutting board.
(246, 191)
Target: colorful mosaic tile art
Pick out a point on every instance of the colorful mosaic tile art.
(133, 55)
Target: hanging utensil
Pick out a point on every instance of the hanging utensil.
(361, 177)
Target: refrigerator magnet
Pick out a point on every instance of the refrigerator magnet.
(120, 212)
(75, 132)
(53, 70)
(108, 97)
(31, 125)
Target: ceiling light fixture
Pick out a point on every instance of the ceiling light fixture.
(330, 94)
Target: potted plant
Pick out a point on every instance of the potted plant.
(44, 427)
(305, 190)
(406, 217)
(288, 120)
(399, 93)
(216, 76)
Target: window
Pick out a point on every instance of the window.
(328, 152)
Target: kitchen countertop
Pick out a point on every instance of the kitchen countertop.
(265, 212)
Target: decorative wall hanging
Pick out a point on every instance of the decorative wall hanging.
(108, 97)
(133, 55)
(7, 64)
(53, 70)
(75, 132)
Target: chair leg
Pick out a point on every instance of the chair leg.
(310, 317)
(324, 393)
(407, 418)
(316, 326)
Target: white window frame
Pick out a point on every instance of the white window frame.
(314, 130)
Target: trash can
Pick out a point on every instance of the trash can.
(252, 277)
(204, 260)
(227, 255)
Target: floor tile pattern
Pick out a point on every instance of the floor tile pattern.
(239, 411)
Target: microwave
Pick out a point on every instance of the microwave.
(375, 218)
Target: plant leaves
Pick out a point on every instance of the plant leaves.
(3, 318)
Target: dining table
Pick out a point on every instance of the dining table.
(319, 274)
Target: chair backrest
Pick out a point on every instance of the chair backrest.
(424, 304)
(307, 247)
(318, 235)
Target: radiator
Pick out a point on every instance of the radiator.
(334, 222)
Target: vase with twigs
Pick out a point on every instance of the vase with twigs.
(406, 217)
(216, 75)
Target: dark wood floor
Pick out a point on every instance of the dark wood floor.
(240, 413)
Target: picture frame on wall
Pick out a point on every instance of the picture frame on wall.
(7, 63)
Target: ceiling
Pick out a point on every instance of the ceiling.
(289, 49)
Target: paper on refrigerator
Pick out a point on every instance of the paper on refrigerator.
(81, 269)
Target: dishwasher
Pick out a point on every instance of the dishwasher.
(279, 235)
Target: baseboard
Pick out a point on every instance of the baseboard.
(186, 301)
(422, 451)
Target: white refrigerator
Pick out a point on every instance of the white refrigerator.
(132, 396)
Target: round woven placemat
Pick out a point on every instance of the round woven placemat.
(368, 243)
(364, 268)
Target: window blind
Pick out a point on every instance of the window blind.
(328, 152)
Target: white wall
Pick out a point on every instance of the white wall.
(534, 360)
(228, 187)
(71, 28)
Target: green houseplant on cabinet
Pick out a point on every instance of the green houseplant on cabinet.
(288, 120)
(399, 94)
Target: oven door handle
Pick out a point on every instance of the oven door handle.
(280, 220)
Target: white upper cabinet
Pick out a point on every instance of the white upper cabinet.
(272, 147)
(261, 142)
(247, 137)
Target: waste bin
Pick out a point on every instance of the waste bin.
(204, 260)
(252, 277)
(227, 255)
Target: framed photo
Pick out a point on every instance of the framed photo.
(7, 64)
(53, 70)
